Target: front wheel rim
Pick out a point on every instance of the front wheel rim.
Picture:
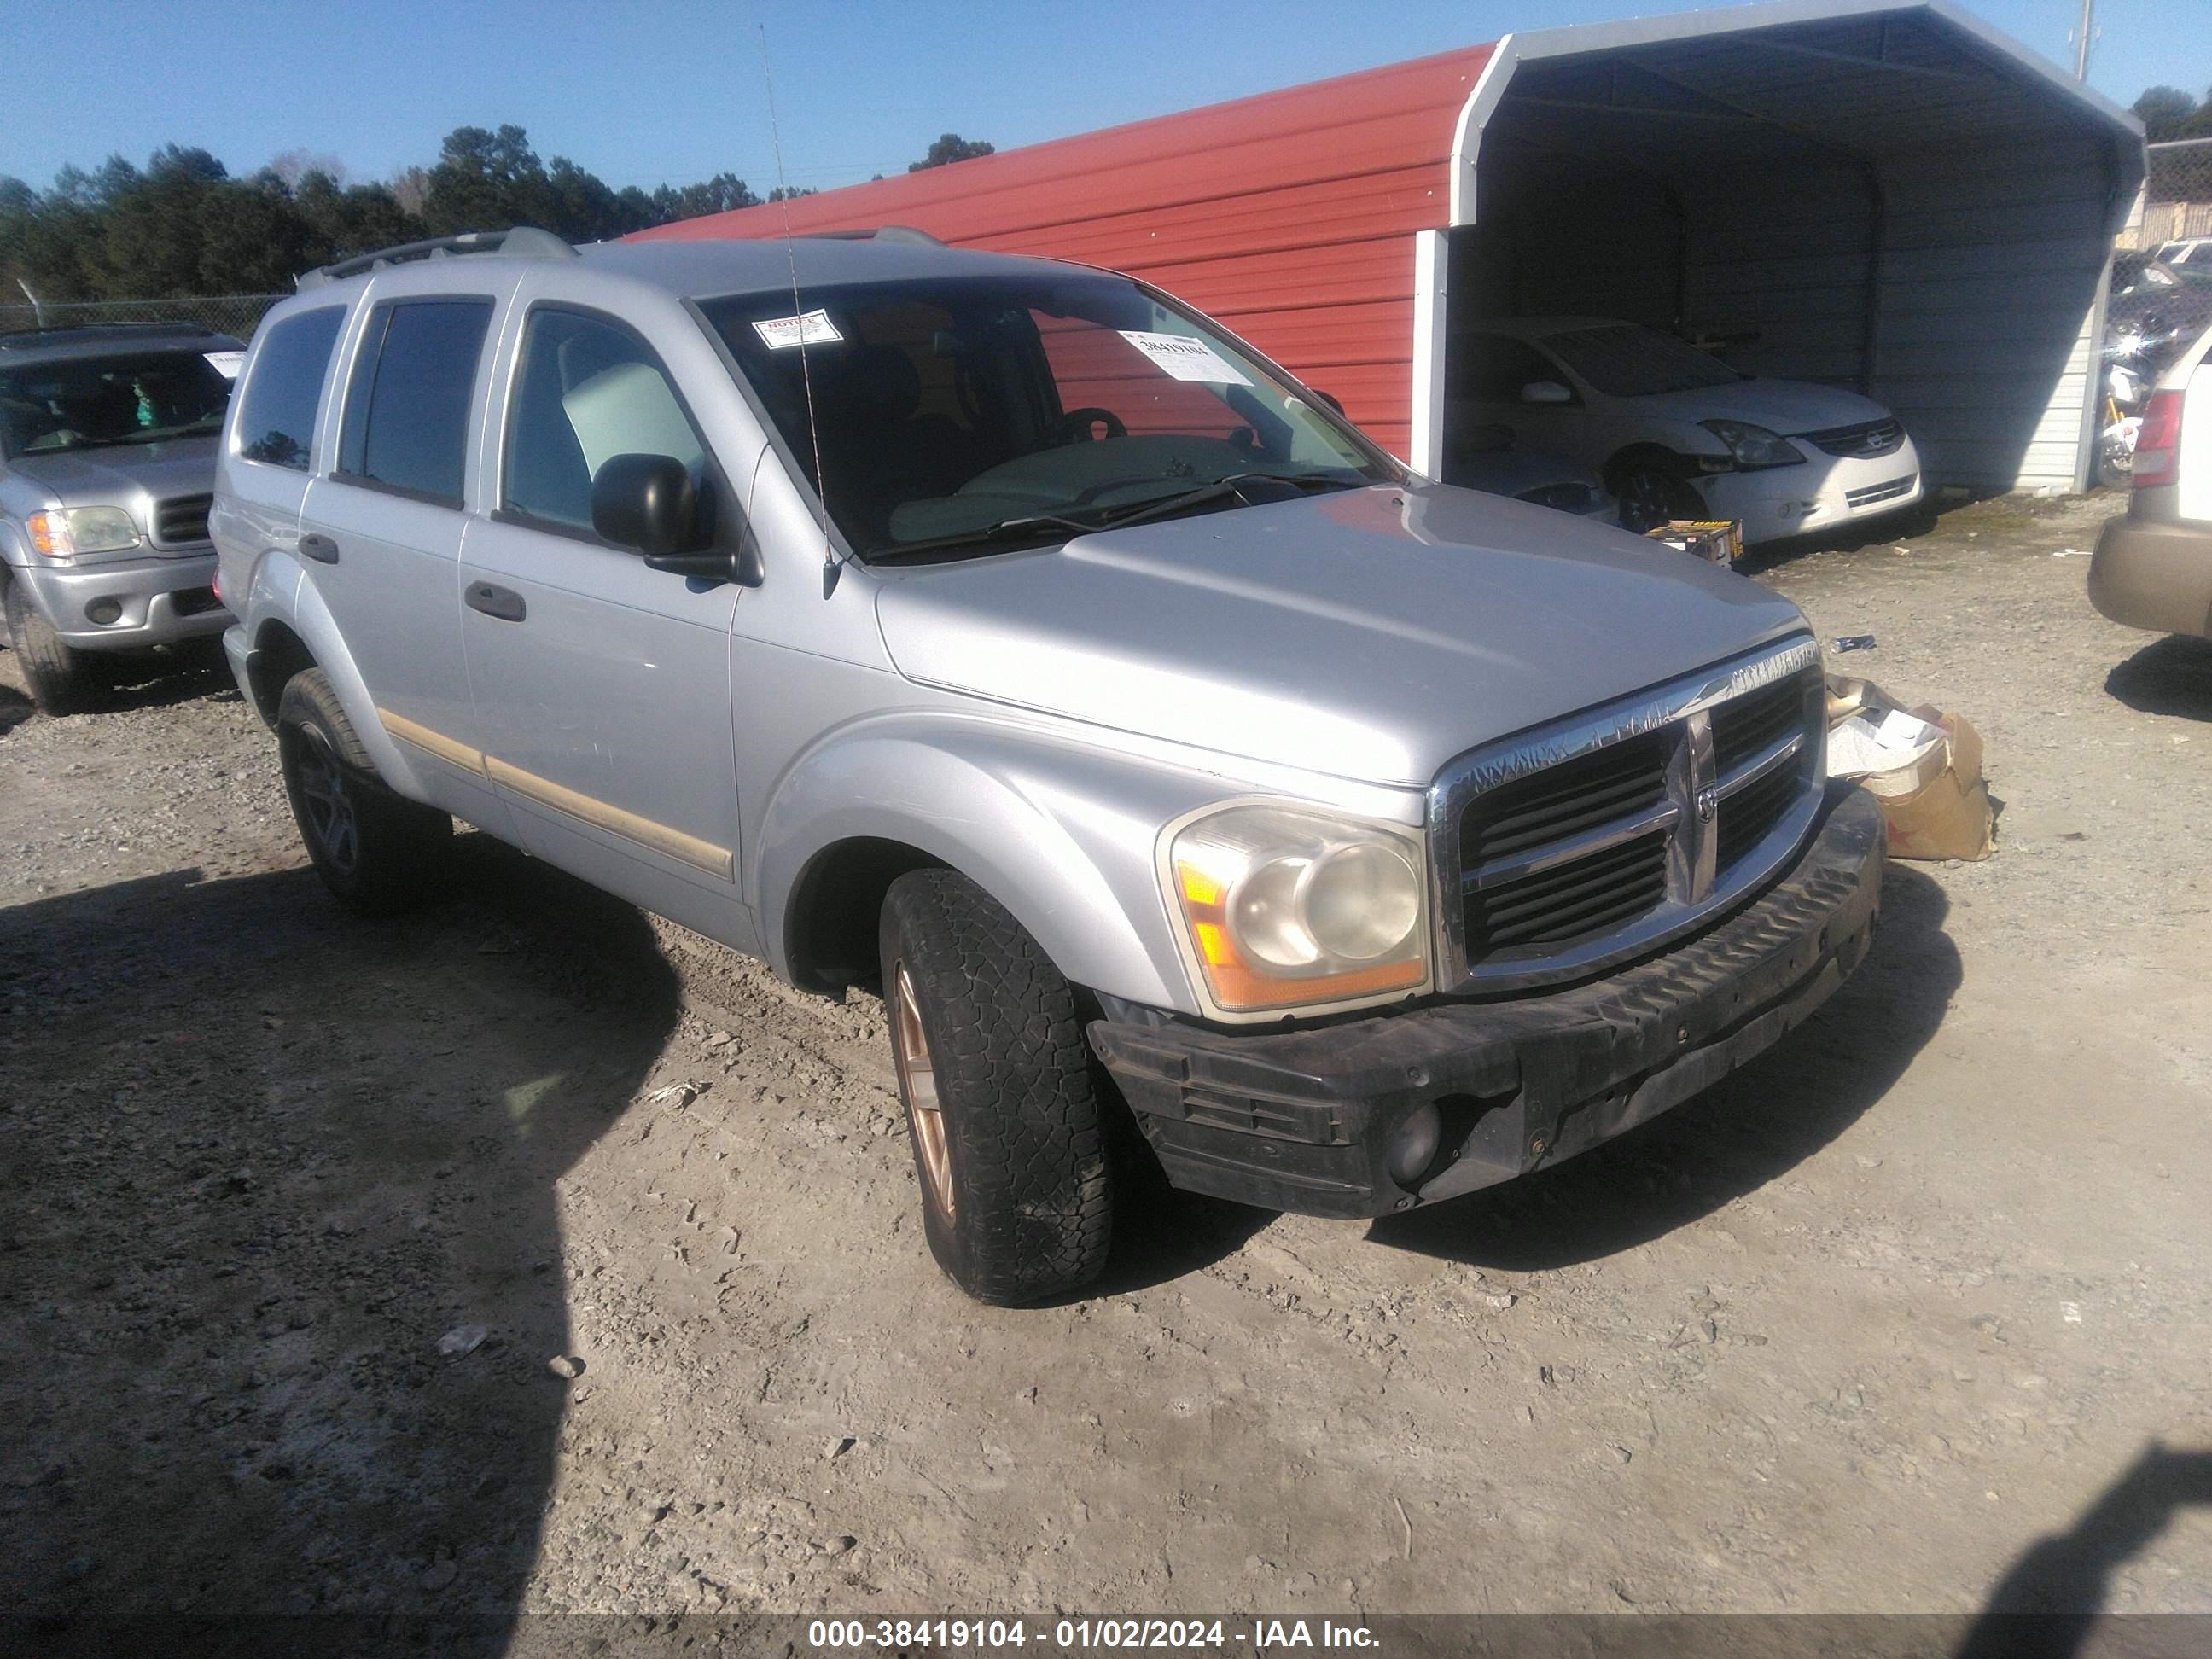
(324, 800)
(918, 1083)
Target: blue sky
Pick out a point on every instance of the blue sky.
(644, 93)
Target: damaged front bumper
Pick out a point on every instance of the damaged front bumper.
(1305, 1119)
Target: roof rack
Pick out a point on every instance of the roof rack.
(30, 339)
(523, 242)
(880, 233)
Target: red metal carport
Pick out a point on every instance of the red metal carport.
(1894, 197)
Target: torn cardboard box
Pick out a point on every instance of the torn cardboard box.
(1923, 766)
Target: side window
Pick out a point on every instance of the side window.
(1492, 368)
(277, 415)
(407, 408)
(588, 389)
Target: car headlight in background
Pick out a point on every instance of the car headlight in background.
(83, 530)
(1753, 446)
(1287, 907)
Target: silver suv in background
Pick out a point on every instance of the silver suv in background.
(107, 442)
(1006, 635)
(2153, 567)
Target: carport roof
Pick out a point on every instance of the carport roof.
(1865, 79)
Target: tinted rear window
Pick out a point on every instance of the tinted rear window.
(277, 413)
(407, 408)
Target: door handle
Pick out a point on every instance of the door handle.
(504, 603)
(321, 549)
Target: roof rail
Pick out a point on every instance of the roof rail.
(523, 242)
(880, 233)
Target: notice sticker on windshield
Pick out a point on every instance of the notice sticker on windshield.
(1184, 358)
(781, 333)
(225, 363)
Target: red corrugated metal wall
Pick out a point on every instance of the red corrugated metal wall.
(1290, 216)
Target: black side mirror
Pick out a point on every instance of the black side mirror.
(1329, 398)
(645, 501)
(649, 502)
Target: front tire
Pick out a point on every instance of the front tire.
(1002, 1099)
(376, 851)
(59, 678)
(1650, 493)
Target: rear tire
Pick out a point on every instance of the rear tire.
(1001, 1094)
(59, 678)
(377, 852)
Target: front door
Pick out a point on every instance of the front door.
(602, 687)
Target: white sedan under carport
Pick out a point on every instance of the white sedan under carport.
(1676, 433)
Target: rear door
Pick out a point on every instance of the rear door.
(271, 447)
(381, 532)
(602, 687)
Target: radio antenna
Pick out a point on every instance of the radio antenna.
(829, 561)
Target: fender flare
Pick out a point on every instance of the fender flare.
(1065, 837)
(311, 619)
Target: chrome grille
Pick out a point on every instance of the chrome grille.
(1581, 844)
(181, 519)
(1866, 440)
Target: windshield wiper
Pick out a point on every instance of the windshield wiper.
(1232, 485)
(1023, 528)
(190, 428)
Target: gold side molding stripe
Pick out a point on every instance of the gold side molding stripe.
(601, 815)
(433, 743)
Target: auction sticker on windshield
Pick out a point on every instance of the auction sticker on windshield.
(781, 333)
(225, 363)
(1184, 358)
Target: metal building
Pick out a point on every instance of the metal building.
(1892, 198)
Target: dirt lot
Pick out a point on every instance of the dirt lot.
(1919, 1294)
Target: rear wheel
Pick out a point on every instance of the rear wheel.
(58, 677)
(376, 851)
(1002, 1099)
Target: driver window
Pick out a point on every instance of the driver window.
(1491, 368)
(589, 390)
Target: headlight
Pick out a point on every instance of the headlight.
(83, 530)
(1753, 446)
(1285, 908)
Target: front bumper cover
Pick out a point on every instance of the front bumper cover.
(1300, 1119)
(157, 601)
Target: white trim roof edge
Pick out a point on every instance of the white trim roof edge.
(1569, 39)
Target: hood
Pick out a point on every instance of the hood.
(121, 474)
(1371, 634)
(1787, 407)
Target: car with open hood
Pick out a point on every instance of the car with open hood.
(1002, 636)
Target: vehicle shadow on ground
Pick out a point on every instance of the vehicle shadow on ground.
(2049, 1603)
(2171, 676)
(158, 682)
(258, 1159)
(1737, 1136)
(15, 709)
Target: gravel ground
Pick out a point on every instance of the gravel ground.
(1909, 1315)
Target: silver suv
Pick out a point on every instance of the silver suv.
(1003, 634)
(107, 441)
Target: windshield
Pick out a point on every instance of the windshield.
(1625, 360)
(1008, 410)
(90, 403)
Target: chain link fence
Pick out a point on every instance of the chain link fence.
(2177, 195)
(226, 313)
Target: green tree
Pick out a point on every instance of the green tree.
(2164, 111)
(949, 149)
